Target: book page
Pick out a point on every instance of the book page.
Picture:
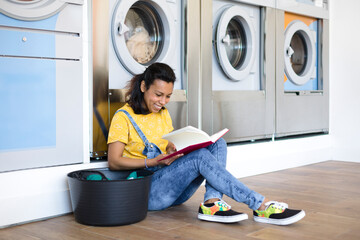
(184, 139)
(185, 129)
(190, 135)
(189, 139)
(218, 135)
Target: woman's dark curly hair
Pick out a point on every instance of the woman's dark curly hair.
(135, 97)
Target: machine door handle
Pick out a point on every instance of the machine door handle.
(122, 28)
(226, 39)
(289, 52)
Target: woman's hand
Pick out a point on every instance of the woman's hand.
(168, 161)
(170, 148)
(156, 161)
(118, 162)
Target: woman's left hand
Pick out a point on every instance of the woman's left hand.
(170, 148)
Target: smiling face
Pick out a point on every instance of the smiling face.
(157, 95)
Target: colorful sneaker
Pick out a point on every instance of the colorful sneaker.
(278, 213)
(220, 211)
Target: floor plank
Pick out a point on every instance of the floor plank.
(329, 192)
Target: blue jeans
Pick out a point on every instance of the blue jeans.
(176, 183)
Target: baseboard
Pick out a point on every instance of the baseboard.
(346, 154)
(258, 158)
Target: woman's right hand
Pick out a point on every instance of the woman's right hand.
(168, 161)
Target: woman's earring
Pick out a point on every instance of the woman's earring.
(142, 86)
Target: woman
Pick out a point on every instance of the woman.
(135, 142)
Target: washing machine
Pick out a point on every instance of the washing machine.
(301, 53)
(41, 93)
(236, 46)
(128, 36)
(241, 85)
(143, 32)
(302, 73)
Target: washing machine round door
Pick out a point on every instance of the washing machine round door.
(235, 43)
(142, 33)
(300, 52)
(31, 10)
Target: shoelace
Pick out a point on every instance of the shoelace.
(278, 205)
(222, 203)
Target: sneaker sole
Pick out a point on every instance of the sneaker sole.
(286, 221)
(223, 219)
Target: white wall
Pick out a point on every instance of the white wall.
(41, 193)
(345, 79)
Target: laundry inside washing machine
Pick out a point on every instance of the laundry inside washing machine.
(141, 33)
(143, 36)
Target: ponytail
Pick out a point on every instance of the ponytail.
(134, 95)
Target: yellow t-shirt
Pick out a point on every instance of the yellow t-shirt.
(153, 125)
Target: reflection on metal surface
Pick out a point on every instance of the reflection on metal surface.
(246, 115)
(177, 105)
(178, 108)
(100, 108)
(104, 111)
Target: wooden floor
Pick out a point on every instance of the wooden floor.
(329, 192)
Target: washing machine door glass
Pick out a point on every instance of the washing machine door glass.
(235, 43)
(32, 10)
(142, 32)
(236, 47)
(300, 53)
(298, 59)
(144, 36)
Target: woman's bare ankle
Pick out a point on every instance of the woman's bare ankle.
(211, 200)
(262, 206)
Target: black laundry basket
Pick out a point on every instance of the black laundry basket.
(111, 202)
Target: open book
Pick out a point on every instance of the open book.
(189, 139)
